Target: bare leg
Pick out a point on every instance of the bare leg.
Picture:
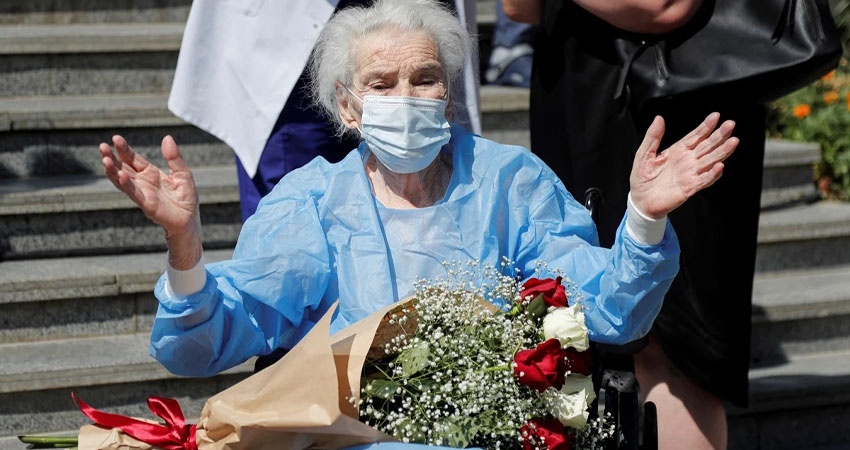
(689, 417)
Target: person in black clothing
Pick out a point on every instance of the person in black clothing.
(698, 351)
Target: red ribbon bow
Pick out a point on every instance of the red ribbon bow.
(176, 434)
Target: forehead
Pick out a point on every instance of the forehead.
(395, 52)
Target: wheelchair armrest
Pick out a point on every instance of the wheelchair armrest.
(619, 380)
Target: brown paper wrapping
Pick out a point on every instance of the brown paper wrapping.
(92, 437)
(300, 402)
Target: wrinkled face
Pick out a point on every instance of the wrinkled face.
(392, 62)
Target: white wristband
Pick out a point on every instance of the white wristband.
(644, 230)
(181, 283)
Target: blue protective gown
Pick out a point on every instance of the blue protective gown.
(321, 235)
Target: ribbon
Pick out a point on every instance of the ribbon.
(176, 434)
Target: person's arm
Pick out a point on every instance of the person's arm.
(643, 16)
(214, 317)
(267, 296)
(527, 11)
(168, 199)
(638, 16)
(623, 287)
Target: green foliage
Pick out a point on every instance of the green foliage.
(841, 13)
(415, 359)
(820, 113)
(385, 389)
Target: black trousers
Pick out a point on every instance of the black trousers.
(589, 139)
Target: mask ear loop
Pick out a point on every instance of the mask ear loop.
(361, 102)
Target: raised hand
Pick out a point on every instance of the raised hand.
(661, 182)
(170, 200)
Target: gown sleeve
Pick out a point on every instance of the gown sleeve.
(622, 288)
(268, 295)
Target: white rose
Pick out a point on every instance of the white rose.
(566, 325)
(570, 404)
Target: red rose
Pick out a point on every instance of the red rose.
(541, 367)
(542, 434)
(579, 362)
(552, 290)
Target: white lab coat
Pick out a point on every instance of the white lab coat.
(240, 59)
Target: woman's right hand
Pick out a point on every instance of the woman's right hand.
(170, 200)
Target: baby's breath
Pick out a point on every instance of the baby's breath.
(448, 376)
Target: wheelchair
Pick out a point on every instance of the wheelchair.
(616, 383)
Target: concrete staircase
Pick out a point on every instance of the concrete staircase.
(78, 262)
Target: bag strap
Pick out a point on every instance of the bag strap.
(786, 20)
(628, 56)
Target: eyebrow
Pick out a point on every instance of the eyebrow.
(431, 66)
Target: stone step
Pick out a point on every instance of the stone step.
(86, 215)
(800, 404)
(63, 298)
(86, 38)
(51, 135)
(41, 136)
(803, 403)
(505, 115)
(47, 153)
(111, 372)
(45, 12)
(800, 312)
(793, 312)
(88, 59)
(799, 237)
(95, 58)
(804, 236)
(789, 173)
(45, 113)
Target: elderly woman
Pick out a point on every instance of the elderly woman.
(415, 193)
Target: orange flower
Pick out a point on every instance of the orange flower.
(830, 97)
(848, 101)
(828, 76)
(801, 111)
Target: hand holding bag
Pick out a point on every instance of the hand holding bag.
(732, 51)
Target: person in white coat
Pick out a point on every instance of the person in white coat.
(240, 77)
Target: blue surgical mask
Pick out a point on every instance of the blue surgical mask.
(405, 133)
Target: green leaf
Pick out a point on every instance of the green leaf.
(422, 385)
(538, 307)
(461, 431)
(515, 311)
(415, 359)
(385, 389)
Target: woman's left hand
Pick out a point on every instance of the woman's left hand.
(661, 182)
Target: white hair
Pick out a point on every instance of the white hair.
(332, 59)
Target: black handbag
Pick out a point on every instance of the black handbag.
(732, 51)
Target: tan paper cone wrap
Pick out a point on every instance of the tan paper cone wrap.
(94, 437)
(302, 401)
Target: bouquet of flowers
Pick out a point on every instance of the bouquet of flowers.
(476, 360)
(449, 368)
